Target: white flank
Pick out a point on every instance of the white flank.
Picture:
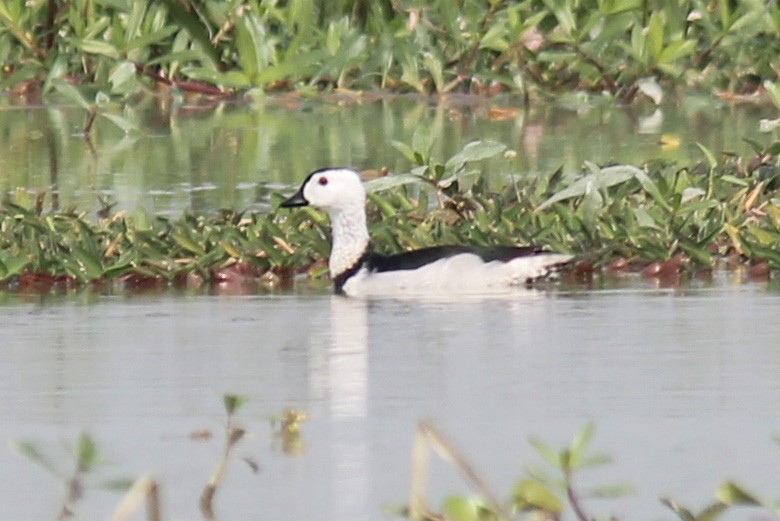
(464, 274)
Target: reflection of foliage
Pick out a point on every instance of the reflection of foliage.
(623, 216)
(438, 46)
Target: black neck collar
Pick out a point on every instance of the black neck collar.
(342, 278)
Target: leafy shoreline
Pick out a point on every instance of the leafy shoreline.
(532, 48)
(662, 219)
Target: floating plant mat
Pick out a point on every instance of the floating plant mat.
(660, 217)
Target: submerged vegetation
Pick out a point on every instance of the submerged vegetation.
(531, 47)
(662, 218)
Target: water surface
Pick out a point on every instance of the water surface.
(681, 384)
(189, 158)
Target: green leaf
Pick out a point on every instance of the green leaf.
(152, 38)
(613, 7)
(692, 192)
(758, 250)
(31, 451)
(581, 442)
(189, 19)
(546, 451)
(90, 263)
(651, 188)
(530, 494)
(117, 484)
(435, 68)
(393, 180)
(593, 460)
(72, 94)
(387, 209)
(299, 65)
(774, 92)
(712, 512)
(683, 513)
(709, 155)
(591, 183)
(644, 219)
(733, 494)
(562, 10)
(250, 42)
(12, 265)
(86, 452)
(656, 35)
(134, 21)
(475, 151)
(186, 242)
(460, 508)
(748, 21)
(233, 402)
(611, 491)
(117, 271)
(121, 74)
(180, 56)
(676, 50)
(99, 47)
(422, 142)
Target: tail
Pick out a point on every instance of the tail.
(554, 265)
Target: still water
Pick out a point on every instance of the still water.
(189, 158)
(682, 386)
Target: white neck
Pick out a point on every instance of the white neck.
(350, 237)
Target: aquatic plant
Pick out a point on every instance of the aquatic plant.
(85, 467)
(536, 493)
(660, 218)
(233, 434)
(287, 429)
(539, 495)
(532, 47)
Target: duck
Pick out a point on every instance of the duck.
(358, 271)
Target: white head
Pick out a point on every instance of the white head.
(340, 192)
(330, 189)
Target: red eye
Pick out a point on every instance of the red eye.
(323, 181)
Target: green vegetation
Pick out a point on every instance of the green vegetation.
(660, 217)
(663, 218)
(538, 494)
(85, 465)
(531, 47)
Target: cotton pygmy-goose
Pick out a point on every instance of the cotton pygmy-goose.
(357, 271)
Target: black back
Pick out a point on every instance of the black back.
(411, 260)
